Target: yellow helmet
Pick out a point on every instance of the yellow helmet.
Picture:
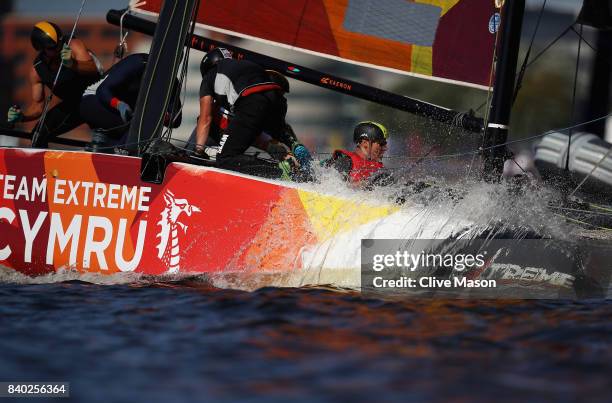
(46, 35)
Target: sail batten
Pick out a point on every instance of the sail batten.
(444, 40)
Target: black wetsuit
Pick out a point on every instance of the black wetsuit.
(121, 83)
(257, 105)
(69, 88)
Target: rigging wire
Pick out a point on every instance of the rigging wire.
(499, 4)
(586, 42)
(167, 135)
(519, 80)
(526, 139)
(591, 172)
(569, 138)
(541, 53)
(43, 116)
(547, 47)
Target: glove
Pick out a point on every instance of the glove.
(209, 153)
(14, 114)
(66, 56)
(289, 168)
(124, 111)
(301, 154)
(278, 151)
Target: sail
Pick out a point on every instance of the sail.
(445, 40)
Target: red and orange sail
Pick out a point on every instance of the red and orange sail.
(447, 40)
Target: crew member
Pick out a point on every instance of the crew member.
(109, 104)
(279, 149)
(359, 165)
(257, 105)
(79, 69)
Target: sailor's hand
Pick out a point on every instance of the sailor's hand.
(124, 111)
(289, 168)
(301, 153)
(206, 152)
(292, 160)
(66, 56)
(278, 151)
(14, 114)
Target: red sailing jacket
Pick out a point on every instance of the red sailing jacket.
(361, 168)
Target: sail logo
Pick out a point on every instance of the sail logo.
(337, 84)
(168, 249)
(494, 23)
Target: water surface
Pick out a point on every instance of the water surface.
(188, 341)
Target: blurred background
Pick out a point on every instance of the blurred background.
(324, 119)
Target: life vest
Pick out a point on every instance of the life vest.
(361, 168)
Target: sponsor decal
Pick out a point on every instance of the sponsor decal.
(494, 23)
(293, 69)
(104, 233)
(334, 83)
(514, 272)
(222, 142)
(168, 248)
(88, 225)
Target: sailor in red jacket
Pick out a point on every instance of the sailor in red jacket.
(359, 165)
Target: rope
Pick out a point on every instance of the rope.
(600, 207)
(43, 116)
(580, 211)
(582, 222)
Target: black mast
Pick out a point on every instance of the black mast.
(598, 14)
(165, 58)
(317, 78)
(496, 132)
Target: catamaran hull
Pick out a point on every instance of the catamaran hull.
(92, 213)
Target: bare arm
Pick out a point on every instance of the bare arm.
(34, 110)
(84, 63)
(203, 127)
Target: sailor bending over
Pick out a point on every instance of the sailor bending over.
(359, 165)
(256, 104)
(79, 69)
(108, 104)
(278, 149)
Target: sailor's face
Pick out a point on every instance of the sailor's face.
(377, 150)
(51, 52)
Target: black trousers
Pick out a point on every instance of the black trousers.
(60, 119)
(253, 114)
(97, 116)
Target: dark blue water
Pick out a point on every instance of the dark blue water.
(186, 341)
